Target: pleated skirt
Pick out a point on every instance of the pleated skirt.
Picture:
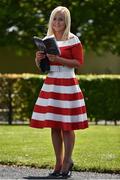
(60, 103)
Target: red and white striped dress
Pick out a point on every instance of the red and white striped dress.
(60, 103)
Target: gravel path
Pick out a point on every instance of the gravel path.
(13, 172)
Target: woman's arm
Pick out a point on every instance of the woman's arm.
(76, 60)
(64, 61)
(39, 56)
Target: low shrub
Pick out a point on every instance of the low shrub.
(18, 93)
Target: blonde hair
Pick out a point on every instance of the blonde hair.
(66, 13)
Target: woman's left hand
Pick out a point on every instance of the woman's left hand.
(52, 57)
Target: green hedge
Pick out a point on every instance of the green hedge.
(18, 94)
(102, 96)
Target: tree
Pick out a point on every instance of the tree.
(96, 22)
(99, 24)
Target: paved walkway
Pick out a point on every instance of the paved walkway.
(13, 172)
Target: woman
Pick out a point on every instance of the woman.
(60, 105)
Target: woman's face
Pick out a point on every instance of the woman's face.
(58, 23)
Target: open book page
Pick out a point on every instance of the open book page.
(48, 45)
(39, 43)
(51, 45)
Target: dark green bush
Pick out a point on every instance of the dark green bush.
(102, 96)
(18, 94)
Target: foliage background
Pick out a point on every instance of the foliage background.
(19, 93)
(96, 22)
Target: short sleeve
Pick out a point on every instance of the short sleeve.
(77, 52)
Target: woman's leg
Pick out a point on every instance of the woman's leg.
(57, 140)
(69, 140)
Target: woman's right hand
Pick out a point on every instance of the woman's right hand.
(39, 56)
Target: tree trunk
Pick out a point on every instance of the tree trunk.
(115, 122)
(10, 108)
(96, 122)
(105, 122)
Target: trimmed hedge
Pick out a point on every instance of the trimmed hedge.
(102, 96)
(18, 93)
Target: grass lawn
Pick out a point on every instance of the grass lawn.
(97, 148)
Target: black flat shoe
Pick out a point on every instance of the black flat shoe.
(67, 174)
(55, 174)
